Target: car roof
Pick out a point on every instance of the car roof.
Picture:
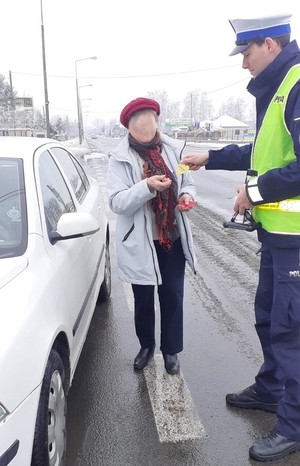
(17, 146)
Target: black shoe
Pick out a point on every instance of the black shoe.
(171, 363)
(249, 399)
(142, 358)
(273, 447)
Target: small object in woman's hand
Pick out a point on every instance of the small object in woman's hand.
(189, 205)
(182, 168)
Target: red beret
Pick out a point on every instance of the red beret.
(140, 103)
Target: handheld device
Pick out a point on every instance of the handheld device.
(248, 223)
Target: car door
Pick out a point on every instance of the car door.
(88, 195)
(73, 258)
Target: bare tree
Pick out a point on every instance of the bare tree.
(98, 126)
(236, 108)
(162, 98)
(197, 106)
(7, 96)
(173, 110)
(251, 112)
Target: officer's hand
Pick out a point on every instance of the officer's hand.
(242, 202)
(195, 161)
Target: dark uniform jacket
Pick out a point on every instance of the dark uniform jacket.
(278, 183)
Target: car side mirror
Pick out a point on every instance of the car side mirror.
(74, 225)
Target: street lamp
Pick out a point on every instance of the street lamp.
(81, 114)
(78, 99)
(80, 109)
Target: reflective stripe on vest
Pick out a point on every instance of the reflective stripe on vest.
(273, 148)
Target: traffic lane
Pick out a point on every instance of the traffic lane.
(111, 419)
(221, 355)
(116, 426)
(220, 258)
(86, 439)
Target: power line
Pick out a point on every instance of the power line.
(90, 111)
(176, 73)
(207, 92)
(229, 85)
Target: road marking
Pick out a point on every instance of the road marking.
(129, 296)
(173, 408)
(87, 440)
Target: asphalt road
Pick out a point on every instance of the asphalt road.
(117, 417)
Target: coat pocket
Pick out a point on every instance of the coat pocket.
(128, 233)
(289, 289)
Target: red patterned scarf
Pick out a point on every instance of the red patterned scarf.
(164, 202)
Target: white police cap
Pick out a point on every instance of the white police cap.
(251, 30)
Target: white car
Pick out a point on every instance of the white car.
(54, 268)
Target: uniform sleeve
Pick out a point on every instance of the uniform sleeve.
(231, 157)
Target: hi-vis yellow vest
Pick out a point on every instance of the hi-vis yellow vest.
(274, 149)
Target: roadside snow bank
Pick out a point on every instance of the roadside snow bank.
(79, 150)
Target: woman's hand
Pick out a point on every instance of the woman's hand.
(158, 183)
(185, 202)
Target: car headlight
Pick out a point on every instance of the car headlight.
(3, 412)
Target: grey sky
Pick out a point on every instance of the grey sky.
(170, 45)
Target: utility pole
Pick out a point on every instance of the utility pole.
(45, 75)
(191, 109)
(78, 106)
(79, 110)
(12, 100)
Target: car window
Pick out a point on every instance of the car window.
(73, 171)
(57, 199)
(13, 213)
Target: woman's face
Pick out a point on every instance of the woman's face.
(143, 127)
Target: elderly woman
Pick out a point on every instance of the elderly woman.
(153, 236)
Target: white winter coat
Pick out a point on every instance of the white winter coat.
(128, 195)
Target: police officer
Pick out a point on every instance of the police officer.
(273, 193)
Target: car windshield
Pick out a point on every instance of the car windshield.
(13, 217)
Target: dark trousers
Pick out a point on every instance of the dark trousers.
(170, 292)
(277, 310)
